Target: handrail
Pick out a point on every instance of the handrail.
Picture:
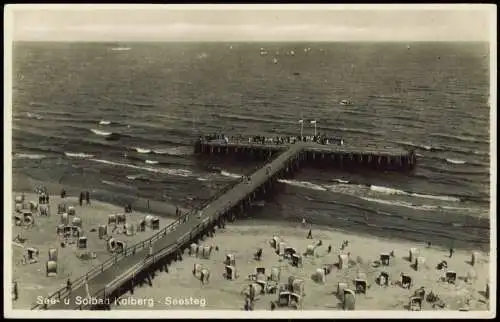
(96, 270)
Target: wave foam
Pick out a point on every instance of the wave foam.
(151, 162)
(33, 116)
(104, 122)
(230, 175)
(102, 133)
(172, 172)
(171, 151)
(78, 155)
(392, 191)
(340, 181)
(29, 156)
(455, 161)
(140, 150)
(303, 184)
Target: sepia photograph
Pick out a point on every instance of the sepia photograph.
(250, 161)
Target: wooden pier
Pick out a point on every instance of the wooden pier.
(134, 265)
(333, 156)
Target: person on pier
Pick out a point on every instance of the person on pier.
(87, 197)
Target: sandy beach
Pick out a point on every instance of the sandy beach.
(32, 280)
(179, 289)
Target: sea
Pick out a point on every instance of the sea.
(70, 98)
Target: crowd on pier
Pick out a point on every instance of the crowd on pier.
(319, 138)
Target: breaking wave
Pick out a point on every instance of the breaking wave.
(230, 175)
(104, 122)
(392, 191)
(139, 150)
(171, 151)
(303, 184)
(454, 161)
(172, 172)
(33, 116)
(29, 156)
(78, 155)
(151, 162)
(102, 133)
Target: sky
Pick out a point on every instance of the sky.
(250, 23)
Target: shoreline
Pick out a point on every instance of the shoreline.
(166, 210)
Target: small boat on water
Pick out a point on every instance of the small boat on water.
(275, 60)
(345, 102)
(296, 74)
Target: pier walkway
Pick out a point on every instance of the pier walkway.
(121, 268)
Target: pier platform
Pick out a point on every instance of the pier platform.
(332, 155)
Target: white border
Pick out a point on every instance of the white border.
(8, 29)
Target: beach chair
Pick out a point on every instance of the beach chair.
(28, 218)
(349, 300)
(51, 268)
(81, 243)
(275, 274)
(103, 231)
(275, 242)
(343, 261)
(451, 277)
(383, 279)
(121, 219)
(53, 254)
(77, 222)
(230, 260)
(319, 276)
(406, 280)
(413, 254)
(230, 272)
(385, 259)
(415, 304)
(64, 219)
(260, 270)
(296, 260)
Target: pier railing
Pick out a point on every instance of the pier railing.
(113, 260)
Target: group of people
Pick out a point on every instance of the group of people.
(319, 138)
(84, 196)
(43, 195)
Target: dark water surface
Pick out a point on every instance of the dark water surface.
(160, 96)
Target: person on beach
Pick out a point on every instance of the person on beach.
(428, 244)
(451, 252)
(87, 197)
(150, 249)
(80, 200)
(63, 193)
(309, 235)
(68, 285)
(329, 249)
(303, 222)
(15, 292)
(47, 198)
